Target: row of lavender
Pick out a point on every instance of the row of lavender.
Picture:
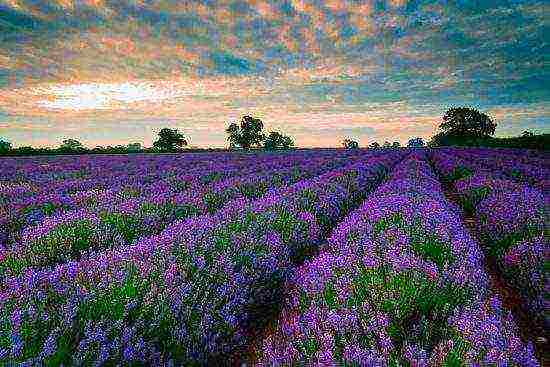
(512, 220)
(400, 282)
(186, 295)
(531, 170)
(28, 199)
(39, 189)
(110, 221)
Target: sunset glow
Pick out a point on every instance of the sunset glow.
(302, 66)
(104, 96)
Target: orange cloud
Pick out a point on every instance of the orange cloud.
(364, 9)
(364, 25)
(286, 39)
(312, 45)
(265, 9)
(337, 5)
(397, 3)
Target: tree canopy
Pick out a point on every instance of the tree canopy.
(350, 144)
(170, 139)
(466, 121)
(71, 144)
(4, 145)
(374, 145)
(247, 135)
(134, 147)
(277, 140)
(416, 142)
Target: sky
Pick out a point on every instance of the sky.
(108, 72)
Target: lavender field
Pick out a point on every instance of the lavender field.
(317, 257)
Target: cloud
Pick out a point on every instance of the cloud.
(334, 67)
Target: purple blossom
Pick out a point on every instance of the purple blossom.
(50, 344)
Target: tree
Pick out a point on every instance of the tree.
(387, 144)
(276, 140)
(350, 144)
(527, 134)
(71, 145)
(416, 143)
(134, 147)
(466, 121)
(170, 139)
(4, 146)
(374, 145)
(247, 135)
(396, 144)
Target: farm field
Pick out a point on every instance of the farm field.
(318, 257)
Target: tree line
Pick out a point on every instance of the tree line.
(461, 126)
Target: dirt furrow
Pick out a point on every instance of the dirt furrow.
(528, 330)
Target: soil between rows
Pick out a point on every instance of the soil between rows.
(511, 301)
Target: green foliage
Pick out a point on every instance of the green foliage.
(309, 347)
(329, 296)
(459, 173)
(470, 199)
(394, 219)
(303, 302)
(248, 134)
(71, 145)
(170, 139)
(184, 211)
(134, 147)
(214, 200)
(66, 241)
(210, 177)
(276, 141)
(125, 224)
(284, 224)
(411, 299)
(416, 143)
(472, 139)
(433, 249)
(466, 121)
(251, 191)
(111, 302)
(307, 200)
(499, 247)
(5, 146)
(350, 144)
(46, 208)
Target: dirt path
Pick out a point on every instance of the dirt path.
(528, 329)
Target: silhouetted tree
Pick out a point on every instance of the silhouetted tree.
(5, 146)
(276, 140)
(527, 134)
(396, 144)
(247, 135)
(350, 144)
(387, 144)
(374, 145)
(466, 121)
(71, 145)
(416, 143)
(134, 147)
(170, 139)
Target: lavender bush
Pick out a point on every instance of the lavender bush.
(512, 221)
(186, 295)
(399, 282)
